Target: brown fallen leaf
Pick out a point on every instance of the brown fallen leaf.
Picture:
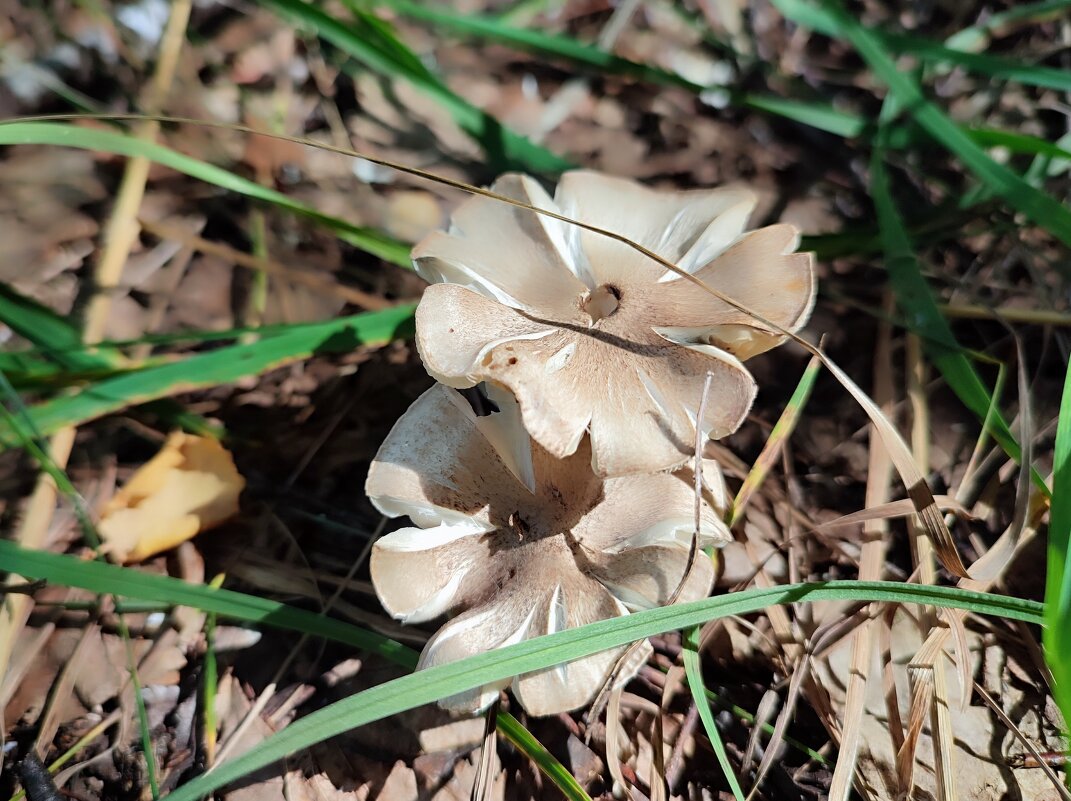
(982, 771)
(189, 486)
(400, 785)
(459, 786)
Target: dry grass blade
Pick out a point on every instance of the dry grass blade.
(785, 632)
(122, 230)
(608, 686)
(484, 782)
(930, 698)
(782, 430)
(941, 724)
(961, 655)
(615, 743)
(31, 534)
(1003, 553)
(892, 510)
(996, 558)
(314, 281)
(968, 311)
(918, 490)
(777, 739)
(871, 565)
(763, 712)
(676, 677)
(656, 779)
(83, 741)
(119, 237)
(921, 698)
(888, 679)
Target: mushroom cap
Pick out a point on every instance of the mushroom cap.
(592, 336)
(512, 558)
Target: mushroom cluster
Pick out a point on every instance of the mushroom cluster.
(572, 502)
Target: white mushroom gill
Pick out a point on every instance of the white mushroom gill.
(514, 543)
(516, 290)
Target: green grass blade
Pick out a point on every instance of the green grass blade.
(50, 333)
(66, 135)
(495, 29)
(28, 437)
(578, 53)
(992, 66)
(518, 12)
(144, 729)
(220, 366)
(772, 449)
(371, 41)
(210, 681)
(511, 728)
(694, 671)
(828, 20)
(817, 115)
(189, 336)
(430, 685)
(101, 577)
(25, 370)
(1035, 204)
(61, 342)
(978, 35)
(1018, 143)
(1057, 633)
(924, 317)
(824, 117)
(748, 718)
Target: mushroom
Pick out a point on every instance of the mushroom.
(514, 543)
(592, 336)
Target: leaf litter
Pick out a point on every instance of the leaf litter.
(303, 435)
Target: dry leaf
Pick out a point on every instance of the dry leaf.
(191, 485)
(459, 786)
(982, 769)
(452, 736)
(400, 785)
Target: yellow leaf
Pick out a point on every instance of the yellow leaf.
(191, 485)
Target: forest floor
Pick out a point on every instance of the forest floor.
(732, 95)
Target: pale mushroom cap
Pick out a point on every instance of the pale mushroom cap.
(592, 336)
(511, 560)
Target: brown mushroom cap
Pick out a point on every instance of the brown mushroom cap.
(513, 560)
(592, 336)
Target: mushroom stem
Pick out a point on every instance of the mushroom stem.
(518, 526)
(601, 302)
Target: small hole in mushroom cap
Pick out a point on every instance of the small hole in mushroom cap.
(601, 302)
